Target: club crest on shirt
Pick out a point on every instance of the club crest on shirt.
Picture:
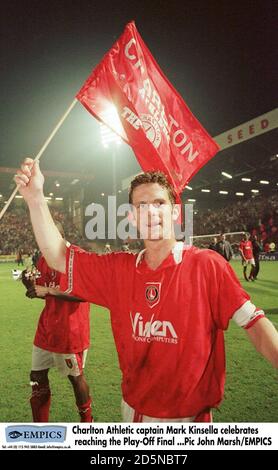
(152, 293)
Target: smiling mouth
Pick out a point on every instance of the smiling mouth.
(154, 225)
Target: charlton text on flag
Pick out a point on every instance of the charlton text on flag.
(153, 118)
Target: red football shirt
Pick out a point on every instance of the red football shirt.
(247, 248)
(63, 326)
(167, 323)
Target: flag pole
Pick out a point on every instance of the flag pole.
(37, 157)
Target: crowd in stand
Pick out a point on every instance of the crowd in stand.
(17, 234)
(259, 216)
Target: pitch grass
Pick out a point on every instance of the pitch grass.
(251, 387)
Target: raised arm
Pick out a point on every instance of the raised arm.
(30, 181)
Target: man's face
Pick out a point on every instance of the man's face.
(153, 212)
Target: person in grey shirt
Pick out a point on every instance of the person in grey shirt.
(223, 247)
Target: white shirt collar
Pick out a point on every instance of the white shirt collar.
(139, 257)
(177, 251)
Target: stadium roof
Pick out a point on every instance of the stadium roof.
(57, 182)
(255, 159)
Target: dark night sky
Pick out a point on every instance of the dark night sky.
(220, 55)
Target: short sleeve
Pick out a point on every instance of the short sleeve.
(227, 294)
(41, 267)
(88, 276)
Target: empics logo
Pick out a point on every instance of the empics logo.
(153, 330)
(35, 433)
(15, 434)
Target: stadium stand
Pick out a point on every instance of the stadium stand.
(16, 231)
(259, 216)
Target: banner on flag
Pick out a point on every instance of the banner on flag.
(151, 115)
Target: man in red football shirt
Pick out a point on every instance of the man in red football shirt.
(246, 252)
(169, 304)
(61, 340)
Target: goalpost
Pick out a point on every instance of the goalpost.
(203, 241)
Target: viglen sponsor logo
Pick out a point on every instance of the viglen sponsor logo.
(153, 330)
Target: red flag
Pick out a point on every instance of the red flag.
(152, 117)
